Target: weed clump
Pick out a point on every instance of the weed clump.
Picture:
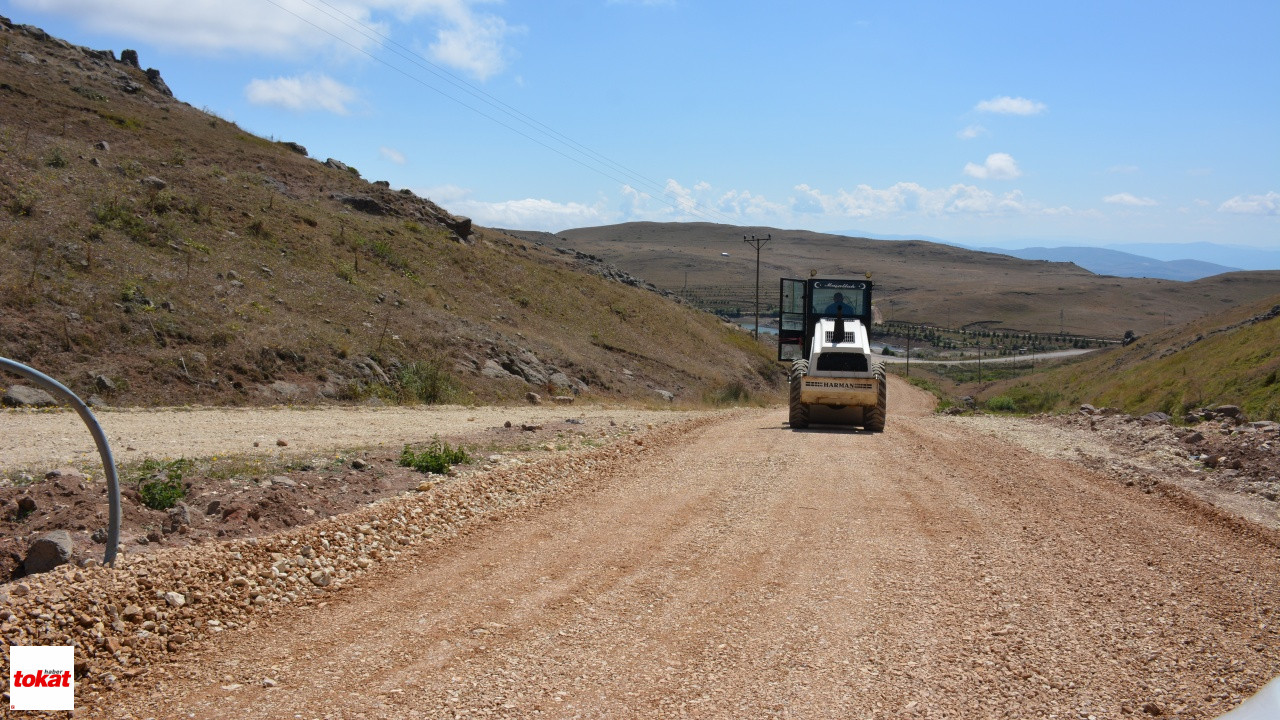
(426, 382)
(160, 482)
(733, 393)
(436, 459)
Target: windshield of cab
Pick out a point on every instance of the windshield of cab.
(845, 302)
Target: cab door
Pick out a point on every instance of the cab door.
(792, 304)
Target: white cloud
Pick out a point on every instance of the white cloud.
(1129, 199)
(682, 197)
(392, 154)
(465, 38)
(998, 166)
(443, 195)
(971, 132)
(471, 41)
(865, 201)
(289, 27)
(308, 92)
(900, 201)
(529, 213)
(1268, 204)
(1005, 105)
(745, 204)
(1122, 169)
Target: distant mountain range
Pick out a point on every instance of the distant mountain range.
(1247, 258)
(1166, 261)
(1102, 261)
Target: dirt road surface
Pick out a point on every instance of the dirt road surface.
(748, 571)
(31, 438)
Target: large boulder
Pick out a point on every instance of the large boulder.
(23, 396)
(48, 552)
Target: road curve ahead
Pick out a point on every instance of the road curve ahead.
(749, 571)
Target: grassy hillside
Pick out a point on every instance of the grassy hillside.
(919, 281)
(1230, 358)
(152, 253)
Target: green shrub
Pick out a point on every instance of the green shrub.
(161, 493)
(382, 250)
(1002, 403)
(160, 482)
(1026, 399)
(22, 204)
(89, 94)
(120, 121)
(118, 214)
(426, 382)
(57, 159)
(437, 458)
(259, 230)
(733, 393)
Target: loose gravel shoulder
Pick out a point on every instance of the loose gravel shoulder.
(1228, 463)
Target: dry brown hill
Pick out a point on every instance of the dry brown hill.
(155, 254)
(919, 281)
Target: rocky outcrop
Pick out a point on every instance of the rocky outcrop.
(461, 226)
(339, 165)
(525, 365)
(153, 77)
(597, 266)
(363, 203)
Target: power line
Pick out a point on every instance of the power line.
(480, 94)
(590, 159)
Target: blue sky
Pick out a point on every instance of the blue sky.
(993, 123)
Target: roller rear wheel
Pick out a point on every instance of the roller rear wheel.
(799, 412)
(876, 416)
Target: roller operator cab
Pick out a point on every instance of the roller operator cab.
(823, 327)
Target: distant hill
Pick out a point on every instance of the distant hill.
(1120, 264)
(1247, 258)
(154, 254)
(917, 281)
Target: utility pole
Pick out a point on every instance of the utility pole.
(758, 243)
(979, 361)
(908, 353)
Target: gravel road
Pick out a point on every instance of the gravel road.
(738, 569)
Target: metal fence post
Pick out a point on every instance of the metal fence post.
(99, 438)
